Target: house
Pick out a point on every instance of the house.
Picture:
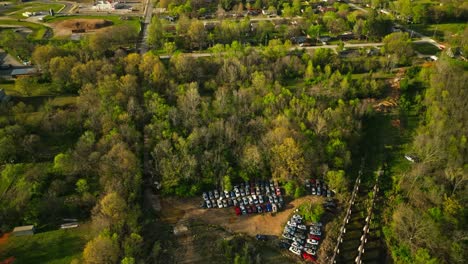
(23, 230)
(346, 36)
(107, 5)
(325, 9)
(15, 73)
(323, 39)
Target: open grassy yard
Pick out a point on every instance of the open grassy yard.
(54, 247)
(439, 31)
(425, 48)
(38, 29)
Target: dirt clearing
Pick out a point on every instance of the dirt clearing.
(175, 210)
(67, 27)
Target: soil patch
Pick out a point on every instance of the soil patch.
(176, 209)
(4, 238)
(67, 27)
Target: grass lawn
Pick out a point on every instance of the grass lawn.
(38, 89)
(36, 7)
(9, 88)
(439, 30)
(425, 48)
(53, 247)
(38, 29)
(116, 20)
(16, 10)
(61, 101)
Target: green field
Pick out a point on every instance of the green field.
(425, 48)
(16, 10)
(439, 31)
(54, 247)
(38, 29)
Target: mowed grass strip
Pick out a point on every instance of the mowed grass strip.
(425, 48)
(55, 247)
(38, 29)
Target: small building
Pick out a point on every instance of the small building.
(24, 230)
(15, 73)
(107, 5)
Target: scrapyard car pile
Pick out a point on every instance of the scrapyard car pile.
(318, 187)
(247, 198)
(300, 239)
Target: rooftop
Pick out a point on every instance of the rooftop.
(23, 228)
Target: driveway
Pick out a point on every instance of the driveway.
(6, 59)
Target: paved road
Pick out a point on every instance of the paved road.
(362, 45)
(144, 30)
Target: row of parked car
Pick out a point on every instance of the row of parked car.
(247, 197)
(318, 187)
(300, 239)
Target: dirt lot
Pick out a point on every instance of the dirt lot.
(64, 28)
(181, 212)
(175, 210)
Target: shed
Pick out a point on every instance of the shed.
(24, 230)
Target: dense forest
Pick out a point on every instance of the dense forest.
(428, 204)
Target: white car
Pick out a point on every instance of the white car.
(254, 198)
(312, 241)
(288, 236)
(292, 223)
(298, 240)
(310, 251)
(303, 227)
(245, 200)
(297, 245)
(220, 203)
(316, 232)
(208, 204)
(236, 190)
(297, 218)
(295, 250)
(260, 199)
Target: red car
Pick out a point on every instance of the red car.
(308, 257)
(314, 237)
(253, 208)
(238, 210)
(278, 191)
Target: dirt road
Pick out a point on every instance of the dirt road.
(176, 209)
